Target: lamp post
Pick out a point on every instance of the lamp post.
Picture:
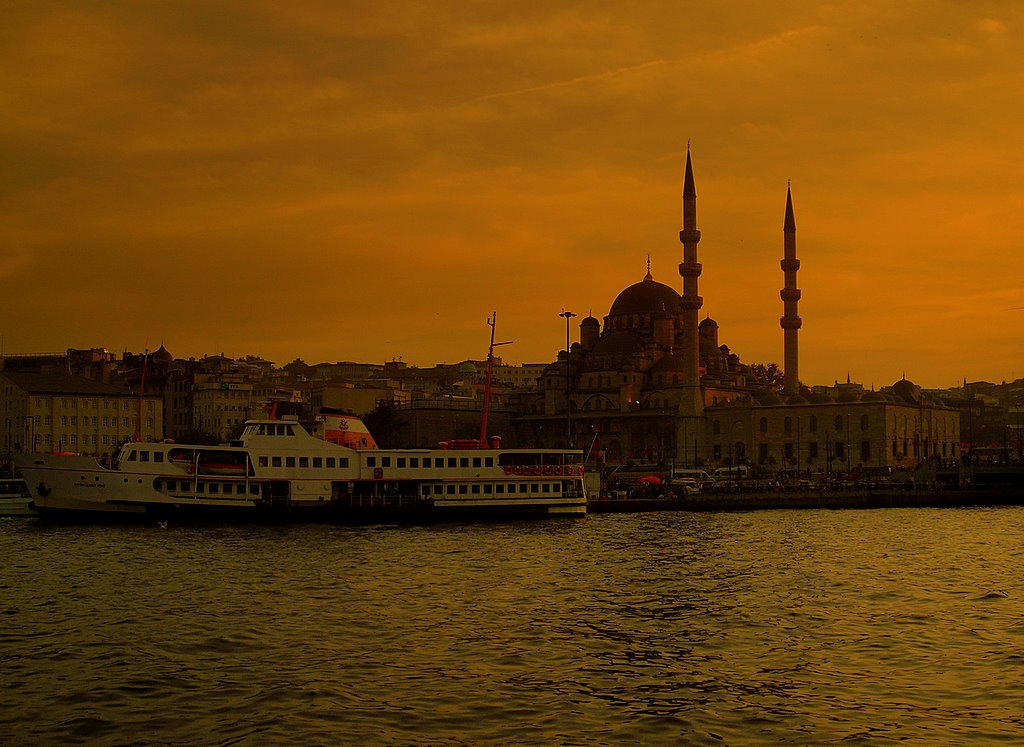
(568, 411)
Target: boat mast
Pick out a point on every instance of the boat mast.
(487, 381)
(137, 436)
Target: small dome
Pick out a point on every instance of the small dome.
(590, 321)
(618, 343)
(668, 364)
(467, 368)
(707, 323)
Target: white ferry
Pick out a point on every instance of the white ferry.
(278, 469)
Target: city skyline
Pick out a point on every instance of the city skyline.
(371, 182)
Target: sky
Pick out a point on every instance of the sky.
(370, 181)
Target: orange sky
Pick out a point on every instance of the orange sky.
(368, 181)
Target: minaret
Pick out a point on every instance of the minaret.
(790, 296)
(690, 270)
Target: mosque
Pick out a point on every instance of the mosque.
(653, 386)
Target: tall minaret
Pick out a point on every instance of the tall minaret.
(790, 295)
(690, 270)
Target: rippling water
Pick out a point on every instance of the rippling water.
(802, 627)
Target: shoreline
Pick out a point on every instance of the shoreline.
(812, 499)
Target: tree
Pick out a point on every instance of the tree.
(383, 423)
(767, 374)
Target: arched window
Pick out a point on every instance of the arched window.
(839, 423)
(814, 423)
(764, 425)
(716, 427)
(787, 425)
(863, 422)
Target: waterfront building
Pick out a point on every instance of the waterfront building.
(42, 412)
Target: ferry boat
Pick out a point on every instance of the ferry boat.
(279, 469)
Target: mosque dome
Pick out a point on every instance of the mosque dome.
(668, 364)
(467, 368)
(907, 391)
(618, 343)
(646, 297)
(707, 323)
(162, 355)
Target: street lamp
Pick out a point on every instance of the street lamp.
(568, 412)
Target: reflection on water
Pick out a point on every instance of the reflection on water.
(807, 627)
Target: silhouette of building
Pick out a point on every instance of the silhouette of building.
(653, 385)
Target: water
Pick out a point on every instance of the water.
(799, 627)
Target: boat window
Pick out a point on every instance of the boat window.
(156, 484)
(263, 461)
(318, 462)
(488, 461)
(158, 456)
(275, 461)
(438, 462)
(342, 462)
(463, 461)
(371, 461)
(240, 488)
(451, 462)
(535, 487)
(425, 490)
(289, 430)
(385, 461)
(556, 488)
(438, 489)
(171, 485)
(303, 461)
(143, 456)
(289, 461)
(449, 489)
(330, 462)
(254, 489)
(131, 456)
(475, 489)
(414, 462)
(499, 489)
(463, 489)
(477, 461)
(214, 487)
(523, 487)
(400, 462)
(200, 487)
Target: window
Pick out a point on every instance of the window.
(814, 424)
(787, 425)
(463, 489)
(839, 423)
(371, 461)
(863, 422)
(763, 425)
(477, 461)
(342, 462)
(275, 461)
(263, 461)
(318, 462)
(303, 461)
(451, 462)
(400, 462)
(329, 462)
(414, 462)
(716, 427)
(488, 461)
(385, 461)
(865, 450)
(812, 449)
(463, 461)
(475, 489)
